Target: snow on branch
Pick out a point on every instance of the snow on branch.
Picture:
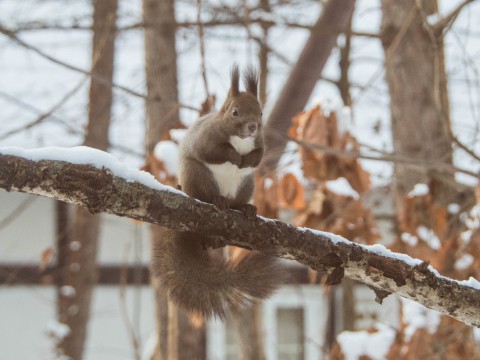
(97, 181)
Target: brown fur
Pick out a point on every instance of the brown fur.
(195, 279)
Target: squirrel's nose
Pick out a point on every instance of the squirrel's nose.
(252, 127)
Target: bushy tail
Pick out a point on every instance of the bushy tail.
(209, 284)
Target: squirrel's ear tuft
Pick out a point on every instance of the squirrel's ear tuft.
(235, 75)
(250, 80)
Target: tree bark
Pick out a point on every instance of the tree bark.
(249, 324)
(250, 333)
(78, 258)
(103, 190)
(304, 76)
(416, 76)
(263, 54)
(179, 339)
(161, 77)
(160, 69)
(417, 82)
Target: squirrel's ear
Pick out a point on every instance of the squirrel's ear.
(250, 80)
(234, 74)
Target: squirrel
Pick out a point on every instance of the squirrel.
(218, 158)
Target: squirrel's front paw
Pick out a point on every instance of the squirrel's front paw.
(234, 157)
(221, 202)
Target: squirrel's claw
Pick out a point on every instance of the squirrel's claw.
(221, 203)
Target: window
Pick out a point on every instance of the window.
(294, 323)
(290, 328)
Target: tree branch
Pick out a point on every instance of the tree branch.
(304, 75)
(54, 60)
(112, 188)
(448, 20)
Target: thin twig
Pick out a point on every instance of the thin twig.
(17, 211)
(386, 157)
(39, 52)
(389, 52)
(123, 308)
(390, 157)
(435, 38)
(446, 22)
(201, 38)
(46, 114)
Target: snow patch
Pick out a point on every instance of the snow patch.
(68, 291)
(466, 236)
(383, 251)
(409, 239)
(167, 152)
(344, 119)
(419, 190)
(291, 163)
(57, 330)
(341, 186)
(417, 316)
(177, 135)
(376, 248)
(268, 182)
(88, 156)
(75, 245)
(464, 262)
(471, 282)
(432, 19)
(334, 237)
(375, 345)
(266, 16)
(429, 236)
(473, 221)
(476, 334)
(453, 209)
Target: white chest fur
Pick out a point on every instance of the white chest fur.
(243, 146)
(228, 176)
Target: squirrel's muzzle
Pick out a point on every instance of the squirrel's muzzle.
(249, 129)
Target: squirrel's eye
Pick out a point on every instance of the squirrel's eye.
(235, 112)
(261, 113)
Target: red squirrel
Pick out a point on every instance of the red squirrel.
(218, 158)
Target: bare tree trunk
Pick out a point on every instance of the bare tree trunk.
(250, 322)
(417, 81)
(343, 83)
(416, 77)
(179, 339)
(161, 77)
(250, 334)
(160, 69)
(304, 76)
(161, 312)
(263, 54)
(173, 331)
(78, 275)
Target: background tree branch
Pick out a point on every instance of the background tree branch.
(103, 190)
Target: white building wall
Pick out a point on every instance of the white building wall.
(32, 230)
(27, 311)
